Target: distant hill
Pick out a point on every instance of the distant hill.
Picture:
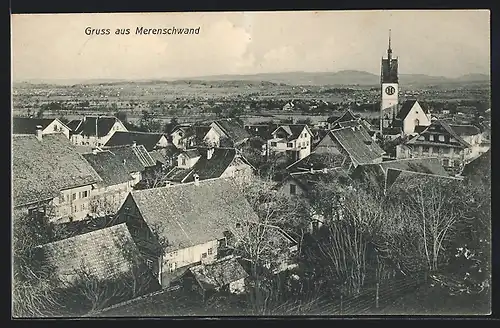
(346, 77)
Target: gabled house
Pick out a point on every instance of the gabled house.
(293, 139)
(354, 142)
(233, 134)
(116, 183)
(51, 177)
(437, 140)
(209, 163)
(223, 275)
(412, 115)
(194, 219)
(180, 136)
(149, 140)
(94, 131)
(382, 176)
(25, 125)
(136, 159)
(108, 255)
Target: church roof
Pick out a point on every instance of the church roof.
(407, 107)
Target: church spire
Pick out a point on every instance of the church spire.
(389, 50)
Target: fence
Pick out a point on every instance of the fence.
(373, 299)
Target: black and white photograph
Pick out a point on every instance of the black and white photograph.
(251, 164)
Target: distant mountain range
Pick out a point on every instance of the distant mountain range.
(346, 77)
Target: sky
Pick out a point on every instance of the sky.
(441, 43)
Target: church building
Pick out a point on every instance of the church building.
(389, 88)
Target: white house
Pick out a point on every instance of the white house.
(25, 125)
(94, 131)
(293, 139)
(412, 115)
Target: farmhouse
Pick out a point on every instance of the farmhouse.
(292, 139)
(51, 177)
(194, 219)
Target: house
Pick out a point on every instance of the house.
(107, 255)
(412, 115)
(149, 140)
(262, 131)
(381, 177)
(231, 132)
(473, 136)
(109, 194)
(136, 160)
(437, 140)
(354, 142)
(94, 131)
(51, 177)
(209, 163)
(25, 125)
(293, 139)
(194, 219)
(223, 275)
(180, 136)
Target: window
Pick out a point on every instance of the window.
(85, 193)
(82, 207)
(293, 189)
(446, 162)
(238, 225)
(307, 143)
(289, 145)
(417, 122)
(183, 161)
(204, 255)
(431, 137)
(210, 251)
(55, 128)
(441, 138)
(425, 149)
(149, 263)
(73, 197)
(273, 144)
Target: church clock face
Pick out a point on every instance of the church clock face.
(390, 90)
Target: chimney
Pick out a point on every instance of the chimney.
(210, 152)
(311, 168)
(124, 161)
(39, 132)
(196, 179)
(94, 151)
(134, 143)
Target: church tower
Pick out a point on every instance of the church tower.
(389, 88)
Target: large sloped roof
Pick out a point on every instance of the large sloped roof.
(193, 213)
(135, 159)
(109, 167)
(27, 125)
(41, 169)
(358, 143)
(147, 139)
(218, 274)
(89, 125)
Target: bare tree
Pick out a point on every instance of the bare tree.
(101, 205)
(32, 282)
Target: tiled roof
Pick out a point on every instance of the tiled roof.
(27, 125)
(358, 143)
(147, 139)
(41, 169)
(157, 156)
(105, 253)
(135, 159)
(395, 176)
(293, 130)
(218, 274)
(465, 130)
(319, 161)
(383, 175)
(407, 106)
(193, 214)
(215, 166)
(261, 130)
(177, 174)
(347, 116)
(436, 128)
(73, 124)
(235, 131)
(88, 125)
(109, 167)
